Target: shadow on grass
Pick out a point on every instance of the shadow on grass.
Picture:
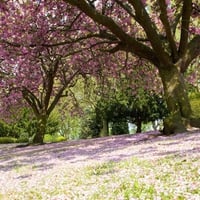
(114, 148)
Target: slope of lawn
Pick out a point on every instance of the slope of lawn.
(143, 166)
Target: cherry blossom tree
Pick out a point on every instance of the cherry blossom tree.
(164, 32)
(36, 70)
(44, 45)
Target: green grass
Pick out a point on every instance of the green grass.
(170, 178)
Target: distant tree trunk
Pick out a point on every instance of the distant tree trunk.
(139, 125)
(104, 130)
(41, 129)
(177, 100)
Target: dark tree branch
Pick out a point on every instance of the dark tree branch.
(132, 44)
(60, 92)
(192, 52)
(32, 100)
(149, 27)
(127, 8)
(51, 73)
(166, 24)
(186, 13)
(177, 18)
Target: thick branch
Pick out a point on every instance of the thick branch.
(132, 44)
(177, 18)
(186, 13)
(60, 92)
(149, 27)
(166, 24)
(50, 81)
(192, 52)
(32, 100)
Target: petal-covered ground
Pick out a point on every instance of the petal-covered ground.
(60, 170)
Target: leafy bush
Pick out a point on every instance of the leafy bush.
(53, 124)
(90, 125)
(25, 126)
(6, 140)
(54, 138)
(195, 104)
(3, 129)
(60, 138)
(24, 138)
(119, 128)
(8, 130)
(48, 138)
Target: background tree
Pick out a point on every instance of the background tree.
(38, 70)
(121, 95)
(161, 32)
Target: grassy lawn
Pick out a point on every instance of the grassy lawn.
(173, 177)
(167, 178)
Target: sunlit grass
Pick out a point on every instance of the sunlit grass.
(168, 178)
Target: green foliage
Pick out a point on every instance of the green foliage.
(195, 103)
(24, 138)
(53, 124)
(25, 126)
(147, 107)
(6, 140)
(6, 130)
(142, 108)
(53, 138)
(70, 127)
(90, 125)
(119, 127)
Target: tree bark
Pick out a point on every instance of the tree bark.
(104, 131)
(41, 130)
(177, 100)
(139, 126)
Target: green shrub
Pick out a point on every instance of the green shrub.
(22, 140)
(60, 139)
(48, 138)
(8, 130)
(54, 138)
(119, 128)
(195, 104)
(90, 125)
(6, 140)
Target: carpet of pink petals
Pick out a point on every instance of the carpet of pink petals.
(32, 165)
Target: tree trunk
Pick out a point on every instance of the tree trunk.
(104, 131)
(139, 126)
(177, 100)
(41, 130)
